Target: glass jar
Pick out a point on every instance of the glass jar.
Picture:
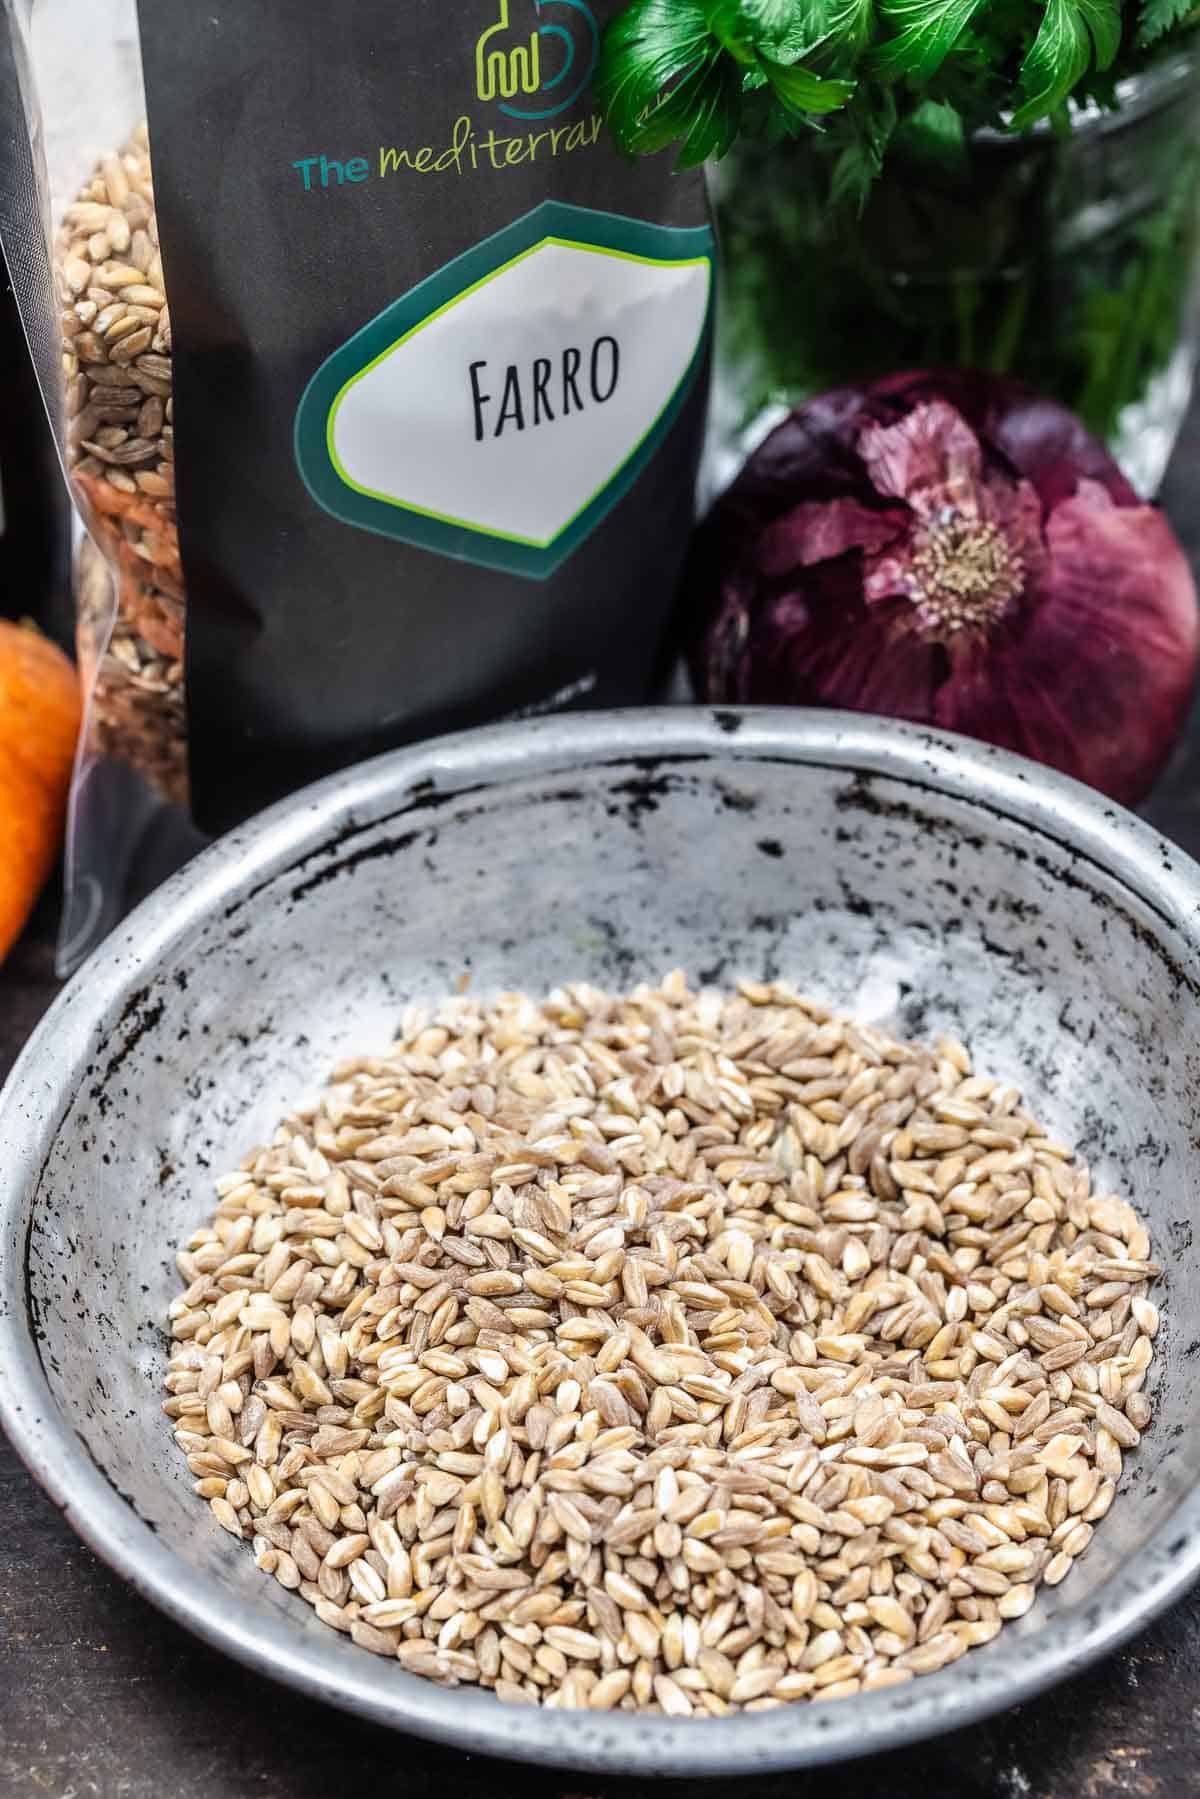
(1068, 261)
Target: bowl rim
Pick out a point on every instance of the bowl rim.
(38, 1093)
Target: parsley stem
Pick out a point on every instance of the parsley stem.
(1010, 326)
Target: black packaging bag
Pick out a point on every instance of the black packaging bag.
(412, 442)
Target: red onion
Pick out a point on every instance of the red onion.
(953, 549)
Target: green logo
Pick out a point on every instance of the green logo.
(542, 75)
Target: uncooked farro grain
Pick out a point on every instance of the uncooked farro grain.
(692, 1353)
(120, 453)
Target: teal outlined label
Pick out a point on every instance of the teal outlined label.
(500, 410)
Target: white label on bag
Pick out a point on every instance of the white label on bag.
(509, 415)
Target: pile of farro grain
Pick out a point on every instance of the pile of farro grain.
(663, 1351)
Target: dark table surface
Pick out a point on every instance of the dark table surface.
(101, 1698)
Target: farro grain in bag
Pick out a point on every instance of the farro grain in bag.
(385, 383)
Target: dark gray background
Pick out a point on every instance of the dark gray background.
(101, 1698)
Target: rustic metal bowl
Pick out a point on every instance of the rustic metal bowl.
(925, 881)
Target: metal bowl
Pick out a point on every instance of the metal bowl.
(929, 883)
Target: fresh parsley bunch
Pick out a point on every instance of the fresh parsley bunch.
(702, 73)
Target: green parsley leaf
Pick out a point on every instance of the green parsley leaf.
(854, 175)
(664, 79)
(735, 30)
(1103, 20)
(703, 73)
(852, 24)
(799, 90)
(925, 32)
(934, 133)
(769, 20)
(1061, 53)
(1160, 16)
(857, 167)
